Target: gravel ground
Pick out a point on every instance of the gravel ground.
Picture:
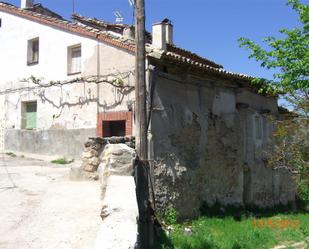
(41, 208)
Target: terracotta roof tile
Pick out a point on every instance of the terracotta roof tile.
(197, 62)
(66, 25)
(191, 56)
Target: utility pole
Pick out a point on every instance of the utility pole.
(142, 166)
(140, 82)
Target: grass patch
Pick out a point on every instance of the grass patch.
(10, 154)
(62, 160)
(226, 233)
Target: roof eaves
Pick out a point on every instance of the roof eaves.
(66, 25)
(188, 61)
(191, 55)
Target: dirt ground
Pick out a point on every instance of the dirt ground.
(41, 208)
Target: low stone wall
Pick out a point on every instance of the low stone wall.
(94, 147)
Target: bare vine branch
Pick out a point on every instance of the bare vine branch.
(116, 80)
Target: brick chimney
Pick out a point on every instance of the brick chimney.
(26, 4)
(162, 34)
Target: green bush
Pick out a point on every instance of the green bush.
(303, 195)
(62, 160)
(10, 154)
(170, 216)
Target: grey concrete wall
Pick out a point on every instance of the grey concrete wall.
(205, 150)
(69, 143)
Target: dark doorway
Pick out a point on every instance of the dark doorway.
(114, 128)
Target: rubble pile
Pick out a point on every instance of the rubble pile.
(94, 147)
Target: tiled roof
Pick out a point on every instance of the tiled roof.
(67, 26)
(99, 24)
(196, 62)
(39, 8)
(103, 25)
(172, 49)
(172, 53)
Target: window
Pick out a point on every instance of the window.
(33, 51)
(258, 127)
(0, 22)
(114, 128)
(74, 59)
(29, 115)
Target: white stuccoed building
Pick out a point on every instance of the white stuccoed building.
(52, 49)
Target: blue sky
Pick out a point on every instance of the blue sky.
(207, 27)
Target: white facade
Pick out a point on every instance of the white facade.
(68, 107)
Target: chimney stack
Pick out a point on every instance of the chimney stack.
(129, 32)
(26, 4)
(162, 33)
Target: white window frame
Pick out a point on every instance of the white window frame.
(74, 63)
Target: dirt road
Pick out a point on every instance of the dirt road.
(41, 208)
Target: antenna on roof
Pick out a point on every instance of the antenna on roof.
(73, 6)
(118, 15)
(132, 3)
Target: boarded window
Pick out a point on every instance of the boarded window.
(74, 59)
(29, 115)
(33, 51)
(258, 127)
(114, 128)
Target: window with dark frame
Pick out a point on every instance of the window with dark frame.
(33, 51)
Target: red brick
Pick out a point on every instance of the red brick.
(114, 116)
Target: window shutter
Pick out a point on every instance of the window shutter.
(31, 115)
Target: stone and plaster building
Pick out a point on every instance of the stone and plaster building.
(207, 127)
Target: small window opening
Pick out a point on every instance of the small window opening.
(165, 69)
(258, 127)
(114, 128)
(0, 22)
(33, 51)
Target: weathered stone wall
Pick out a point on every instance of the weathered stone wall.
(204, 147)
(263, 186)
(94, 147)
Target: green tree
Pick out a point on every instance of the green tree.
(289, 58)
